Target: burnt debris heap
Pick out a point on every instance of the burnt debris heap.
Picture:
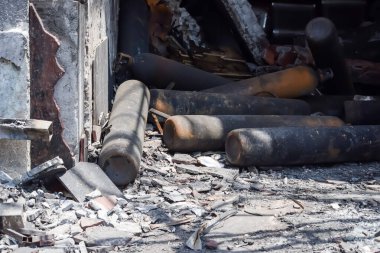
(222, 83)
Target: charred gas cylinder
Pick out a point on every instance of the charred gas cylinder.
(288, 83)
(191, 133)
(303, 145)
(159, 72)
(328, 104)
(327, 51)
(133, 27)
(122, 147)
(362, 112)
(190, 103)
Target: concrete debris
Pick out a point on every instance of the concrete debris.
(80, 183)
(46, 170)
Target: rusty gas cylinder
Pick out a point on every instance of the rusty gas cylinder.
(122, 147)
(289, 83)
(327, 52)
(159, 72)
(283, 146)
(191, 133)
(190, 103)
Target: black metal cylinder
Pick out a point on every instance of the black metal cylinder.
(303, 145)
(133, 27)
(159, 72)
(328, 52)
(122, 146)
(191, 133)
(362, 112)
(190, 103)
(328, 104)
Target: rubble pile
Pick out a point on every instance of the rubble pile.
(203, 122)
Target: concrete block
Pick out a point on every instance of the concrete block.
(12, 216)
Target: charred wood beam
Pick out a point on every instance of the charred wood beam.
(246, 24)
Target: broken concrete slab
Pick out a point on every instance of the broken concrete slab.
(275, 208)
(104, 236)
(242, 224)
(85, 178)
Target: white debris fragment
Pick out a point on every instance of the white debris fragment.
(209, 162)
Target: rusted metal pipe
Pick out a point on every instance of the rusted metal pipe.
(362, 112)
(327, 51)
(288, 83)
(122, 147)
(159, 72)
(190, 103)
(302, 145)
(328, 104)
(133, 27)
(191, 133)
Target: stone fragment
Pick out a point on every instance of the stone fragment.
(130, 227)
(183, 159)
(88, 223)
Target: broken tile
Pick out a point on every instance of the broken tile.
(88, 223)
